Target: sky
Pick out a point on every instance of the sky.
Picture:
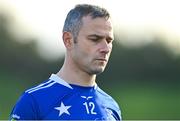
(136, 21)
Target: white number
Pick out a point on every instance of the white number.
(90, 107)
(91, 104)
(86, 105)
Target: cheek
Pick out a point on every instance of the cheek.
(83, 53)
(87, 53)
(86, 49)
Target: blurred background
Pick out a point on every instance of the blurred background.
(143, 73)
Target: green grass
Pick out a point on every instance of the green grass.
(10, 90)
(149, 103)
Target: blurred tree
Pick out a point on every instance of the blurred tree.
(19, 59)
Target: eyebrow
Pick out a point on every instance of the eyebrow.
(99, 36)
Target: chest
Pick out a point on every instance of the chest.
(79, 107)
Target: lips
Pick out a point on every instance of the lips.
(102, 59)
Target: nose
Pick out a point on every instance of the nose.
(105, 47)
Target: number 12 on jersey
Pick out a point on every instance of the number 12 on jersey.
(90, 106)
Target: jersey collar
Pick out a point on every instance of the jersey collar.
(57, 79)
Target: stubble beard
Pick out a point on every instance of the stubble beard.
(98, 69)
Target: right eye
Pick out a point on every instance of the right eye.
(94, 39)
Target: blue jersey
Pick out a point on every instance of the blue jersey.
(55, 99)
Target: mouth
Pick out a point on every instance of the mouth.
(102, 59)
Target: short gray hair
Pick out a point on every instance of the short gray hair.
(74, 22)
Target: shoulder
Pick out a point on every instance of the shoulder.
(39, 99)
(109, 102)
(107, 97)
(52, 87)
(31, 96)
(47, 91)
(31, 104)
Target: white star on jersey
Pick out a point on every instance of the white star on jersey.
(63, 109)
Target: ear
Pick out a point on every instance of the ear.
(68, 40)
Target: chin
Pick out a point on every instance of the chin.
(98, 71)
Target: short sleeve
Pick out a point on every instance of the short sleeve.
(25, 108)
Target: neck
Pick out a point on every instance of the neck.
(73, 75)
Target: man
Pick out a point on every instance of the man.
(72, 93)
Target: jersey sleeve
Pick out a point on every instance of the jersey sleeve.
(24, 108)
(117, 115)
(118, 112)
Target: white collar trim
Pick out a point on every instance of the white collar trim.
(57, 79)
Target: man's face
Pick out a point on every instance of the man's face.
(94, 44)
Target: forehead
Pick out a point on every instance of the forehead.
(97, 25)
